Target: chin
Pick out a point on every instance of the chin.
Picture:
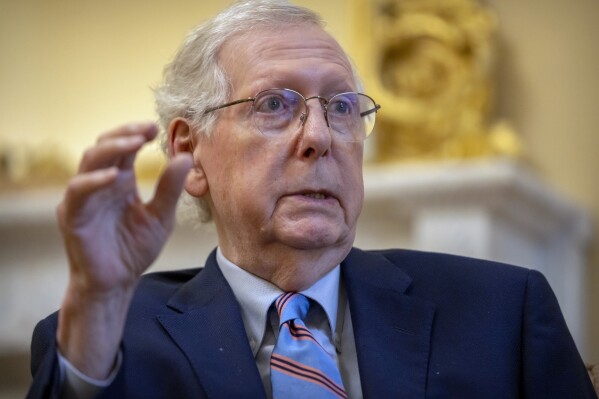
(316, 237)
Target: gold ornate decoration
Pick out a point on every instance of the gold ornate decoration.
(430, 65)
(45, 165)
(37, 166)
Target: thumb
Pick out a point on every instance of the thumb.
(169, 187)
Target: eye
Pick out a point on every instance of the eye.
(270, 104)
(342, 105)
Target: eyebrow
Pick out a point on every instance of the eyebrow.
(327, 92)
(335, 85)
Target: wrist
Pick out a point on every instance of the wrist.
(90, 328)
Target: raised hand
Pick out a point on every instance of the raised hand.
(111, 238)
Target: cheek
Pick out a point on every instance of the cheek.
(354, 167)
(354, 183)
(356, 199)
(243, 184)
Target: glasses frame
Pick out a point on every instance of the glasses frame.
(304, 116)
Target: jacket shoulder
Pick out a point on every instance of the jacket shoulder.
(421, 262)
(437, 276)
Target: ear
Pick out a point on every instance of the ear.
(181, 139)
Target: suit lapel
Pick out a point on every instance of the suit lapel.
(209, 330)
(392, 330)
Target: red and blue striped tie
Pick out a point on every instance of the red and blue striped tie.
(299, 366)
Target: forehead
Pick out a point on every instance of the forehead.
(300, 57)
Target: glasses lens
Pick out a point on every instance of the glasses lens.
(352, 115)
(276, 109)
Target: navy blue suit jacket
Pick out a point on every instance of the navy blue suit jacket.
(426, 326)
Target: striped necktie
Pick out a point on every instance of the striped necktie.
(299, 366)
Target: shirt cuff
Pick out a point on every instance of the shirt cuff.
(80, 386)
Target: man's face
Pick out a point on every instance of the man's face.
(300, 190)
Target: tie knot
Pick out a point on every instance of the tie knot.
(290, 306)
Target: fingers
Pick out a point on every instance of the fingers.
(80, 188)
(113, 153)
(100, 166)
(169, 187)
(117, 147)
(148, 130)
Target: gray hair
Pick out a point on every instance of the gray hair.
(194, 81)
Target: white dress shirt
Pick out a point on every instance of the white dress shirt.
(331, 328)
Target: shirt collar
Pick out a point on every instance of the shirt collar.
(255, 295)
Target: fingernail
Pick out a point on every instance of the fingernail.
(139, 127)
(131, 141)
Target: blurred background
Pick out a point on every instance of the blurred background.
(488, 141)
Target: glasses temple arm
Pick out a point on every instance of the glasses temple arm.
(370, 111)
(244, 100)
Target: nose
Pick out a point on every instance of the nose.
(315, 138)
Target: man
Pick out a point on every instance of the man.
(264, 126)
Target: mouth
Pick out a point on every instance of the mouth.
(312, 200)
(315, 195)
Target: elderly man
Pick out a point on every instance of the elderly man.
(264, 124)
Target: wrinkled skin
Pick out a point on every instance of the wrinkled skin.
(285, 207)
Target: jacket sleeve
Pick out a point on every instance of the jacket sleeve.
(46, 383)
(551, 364)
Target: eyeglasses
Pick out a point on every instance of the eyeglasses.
(350, 115)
